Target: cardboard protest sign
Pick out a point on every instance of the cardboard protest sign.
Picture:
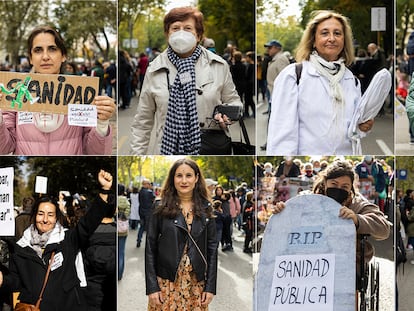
(307, 258)
(6, 202)
(45, 93)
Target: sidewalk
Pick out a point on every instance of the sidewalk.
(402, 136)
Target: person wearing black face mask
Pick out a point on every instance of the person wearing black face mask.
(337, 182)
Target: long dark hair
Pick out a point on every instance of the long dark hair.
(169, 205)
(46, 199)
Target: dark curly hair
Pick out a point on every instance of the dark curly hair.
(336, 169)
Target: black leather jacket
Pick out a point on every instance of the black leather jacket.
(166, 239)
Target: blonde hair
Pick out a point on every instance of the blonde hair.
(306, 44)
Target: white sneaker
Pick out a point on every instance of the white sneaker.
(412, 262)
(409, 246)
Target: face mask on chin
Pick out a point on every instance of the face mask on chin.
(338, 194)
(182, 41)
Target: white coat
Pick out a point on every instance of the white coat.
(302, 116)
(134, 197)
(214, 86)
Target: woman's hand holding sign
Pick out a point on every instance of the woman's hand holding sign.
(105, 107)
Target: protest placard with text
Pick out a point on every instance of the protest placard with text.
(45, 93)
(6, 202)
(307, 258)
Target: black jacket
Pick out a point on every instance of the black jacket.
(100, 268)
(27, 270)
(166, 239)
(146, 200)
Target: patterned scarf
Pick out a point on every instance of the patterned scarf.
(181, 129)
(38, 240)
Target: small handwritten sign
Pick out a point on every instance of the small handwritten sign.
(45, 93)
(25, 117)
(6, 202)
(82, 115)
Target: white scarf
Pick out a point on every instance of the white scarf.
(53, 236)
(334, 72)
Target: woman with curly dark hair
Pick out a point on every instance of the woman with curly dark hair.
(181, 246)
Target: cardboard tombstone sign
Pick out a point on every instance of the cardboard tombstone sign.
(307, 259)
(46, 93)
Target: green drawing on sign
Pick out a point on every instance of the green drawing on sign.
(22, 91)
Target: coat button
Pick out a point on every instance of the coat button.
(201, 124)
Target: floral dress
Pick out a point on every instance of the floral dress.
(184, 294)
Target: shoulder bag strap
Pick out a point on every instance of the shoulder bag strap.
(45, 281)
(298, 70)
(200, 252)
(244, 131)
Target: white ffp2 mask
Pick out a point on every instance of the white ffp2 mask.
(182, 41)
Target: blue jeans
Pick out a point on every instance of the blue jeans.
(142, 228)
(121, 255)
(109, 89)
(219, 233)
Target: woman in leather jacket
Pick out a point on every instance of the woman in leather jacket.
(181, 246)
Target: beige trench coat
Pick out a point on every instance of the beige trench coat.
(214, 86)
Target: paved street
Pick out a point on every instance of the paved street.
(234, 280)
(405, 277)
(384, 255)
(126, 117)
(379, 142)
(402, 136)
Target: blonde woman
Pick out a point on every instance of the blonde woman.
(313, 103)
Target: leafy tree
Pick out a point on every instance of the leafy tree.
(408, 164)
(360, 19)
(404, 18)
(287, 32)
(230, 21)
(142, 20)
(87, 21)
(229, 171)
(130, 169)
(74, 174)
(16, 20)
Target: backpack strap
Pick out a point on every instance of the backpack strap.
(298, 70)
